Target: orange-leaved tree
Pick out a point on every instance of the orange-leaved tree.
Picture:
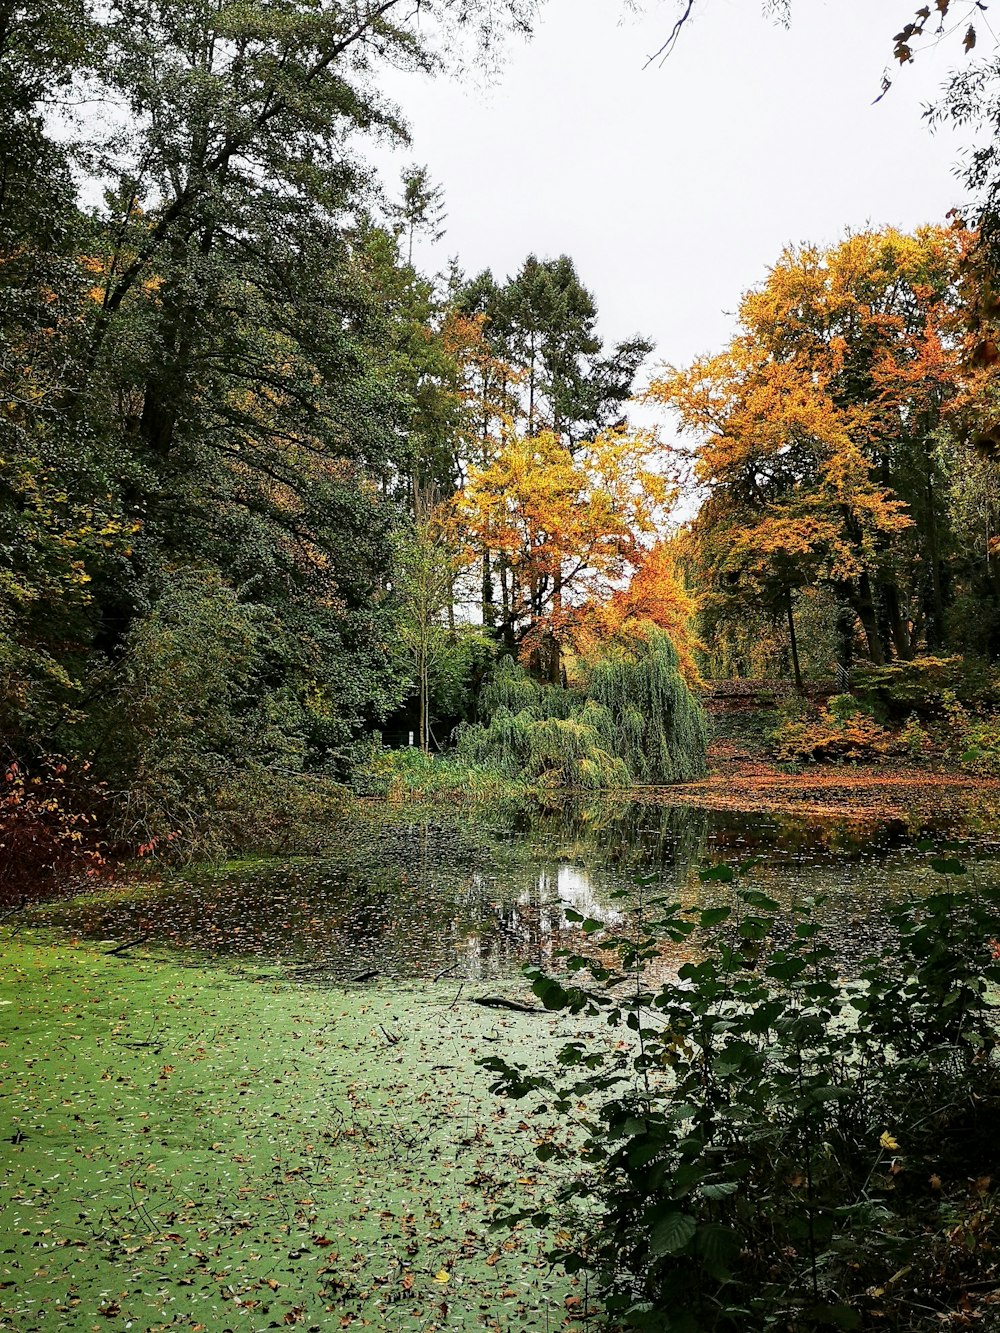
(816, 436)
(566, 529)
(656, 596)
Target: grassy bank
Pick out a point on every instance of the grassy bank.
(203, 1149)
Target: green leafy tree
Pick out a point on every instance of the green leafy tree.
(569, 386)
(421, 209)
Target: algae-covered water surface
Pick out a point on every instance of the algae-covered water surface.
(189, 1148)
(247, 1097)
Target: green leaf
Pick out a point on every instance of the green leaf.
(671, 1233)
(733, 1058)
(754, 898)
(752, 928)
(722, 1189)
(712, 916)
(718, 874)
(717, 1244)
(947, 865)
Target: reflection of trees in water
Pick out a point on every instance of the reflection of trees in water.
(519, 920)
(422, 897)
(624, 835)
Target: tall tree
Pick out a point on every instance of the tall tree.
(421, 209)
(218, 367)
(568, 527)
(570, 387)
(816, 435)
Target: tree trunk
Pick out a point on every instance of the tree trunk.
(793, 643)
(898, 629)
(934, 616)
(531, 391)
(423, 697)
(555, 651)
(844, 626)
(489, 605)
(864, 606)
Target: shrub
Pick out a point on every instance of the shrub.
(54, 817)
(651, 719)
(843, 731)
(636, 722)
(776, 1148)
(917, 687)
(543, 748)
(977, 742)
(209, 755)
(397, 775)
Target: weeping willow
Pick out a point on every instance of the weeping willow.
(635, 723)
(647, 715)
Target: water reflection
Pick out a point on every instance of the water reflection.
(478, 898)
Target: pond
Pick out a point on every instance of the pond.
(207, 1129)
(403, 892)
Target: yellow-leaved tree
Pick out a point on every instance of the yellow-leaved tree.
(566, 529)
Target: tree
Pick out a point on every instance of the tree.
(568, 528)
(655, 597)
(221, 376)
(421, 208)
(816, 435)
(570, 388)
(428, 565)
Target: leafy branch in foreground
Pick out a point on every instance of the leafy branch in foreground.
(778, 1147)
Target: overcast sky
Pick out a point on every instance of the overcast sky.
(675, 187)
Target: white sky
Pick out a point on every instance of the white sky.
(675, 187)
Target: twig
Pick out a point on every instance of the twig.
(120, 948)
(14, 910)
(671, 41)
(497, 1002)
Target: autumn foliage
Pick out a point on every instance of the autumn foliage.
(656, 596)
(819, 439)
(567, 527)
(53, 816)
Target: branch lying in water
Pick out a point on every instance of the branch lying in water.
(496, 1002)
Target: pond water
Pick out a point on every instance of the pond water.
(403, 892)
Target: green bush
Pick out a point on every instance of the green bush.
(410, 773)
(905, 688)
(650, 718)
(546, 749)
(776, 1148)
(978, 741)
(208, 755)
